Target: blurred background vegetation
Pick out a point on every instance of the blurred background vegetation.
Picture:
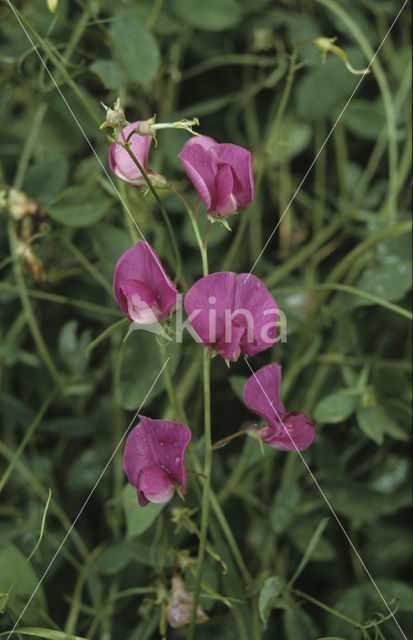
(339, 266)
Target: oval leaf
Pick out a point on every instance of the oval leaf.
(138, 518)
(268, 596)
(135, 47)
(335, 407)
(79, 207)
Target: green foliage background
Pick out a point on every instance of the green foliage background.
(339, 266)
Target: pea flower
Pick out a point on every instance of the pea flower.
(143, 290)
(291, 431)
(232, 313)
(221, 173)
(154, 459)
(122, 165)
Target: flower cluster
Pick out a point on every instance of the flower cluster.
(230, 313)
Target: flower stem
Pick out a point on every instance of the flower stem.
(206, 491)
(199, 240)
(327, 608)
(178, 261)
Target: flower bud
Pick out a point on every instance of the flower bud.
(115, 117)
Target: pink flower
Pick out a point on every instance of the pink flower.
(221, 173)
(143, 290)
(232, 313)
(122, 164)
(154, 459)
(291, 431)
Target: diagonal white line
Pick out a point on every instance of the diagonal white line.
(84, 135)
(327, 139)
(87, 499)
(327, 502)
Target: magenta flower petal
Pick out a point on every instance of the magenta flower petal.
(120, 161)
(232, 313)
(122, 165)
(155, 485)
(294, 433)
(221, 173)
(143, 290)
(290, 431)
(199, 167)
(225, 202)
(205, 141)
(154, 458)
(262, 393)
(239, 160)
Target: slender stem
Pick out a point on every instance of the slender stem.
(224, 441)
(89, 266)
(178, 265)
(202, 248)
(205, 243)
(30, 431)
(49, 50)
(28, 311)
(219, 514)
(302, 255)
(248, 215)
(53, 297)
(388, 104)
(206, 491)
(272, 141)
(170, 389)
(327, 608)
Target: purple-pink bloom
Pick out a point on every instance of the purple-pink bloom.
(154, 459)
(288, 431)
(143, 290)
(122, 164)
(232, 313)
(221, 173)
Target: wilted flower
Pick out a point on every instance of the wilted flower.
(154, 459)
(232, 313)
(143, 290)
(122, 164)
(180, 606)
(221, 173)
(289, 431)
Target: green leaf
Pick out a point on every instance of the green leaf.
(135, 47)
(351, 604)
(11, 561)
(372, 422)
(139, 354)
(390, 589)
(335, 407)
(268, 596)
(298, 625)
(214, 15)
(285, 504)
(47, 634)
(301, 534)
(359, 502)
(237, 385)
(46, 180)
(364, 118)
(138, 518)
(310, 549)
(110, 73)
(113, 558)
(79, 207)
(71, 348)
(322, 89)
(389, 282)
